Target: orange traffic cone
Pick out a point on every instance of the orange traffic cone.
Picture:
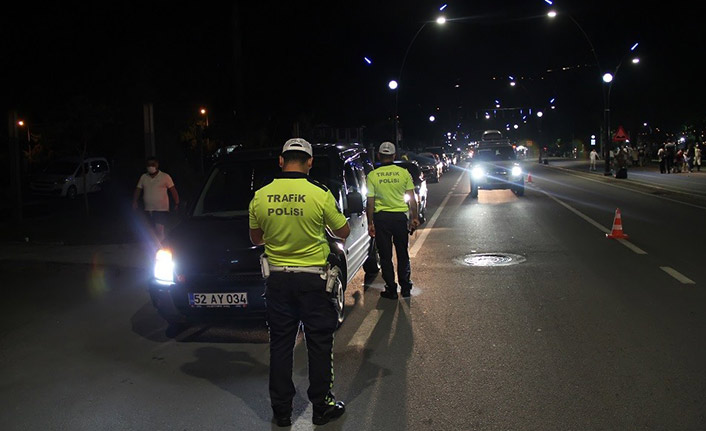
(529, 178)
(617, 232)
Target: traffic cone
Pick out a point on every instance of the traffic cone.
(529, 178)
(617, 232)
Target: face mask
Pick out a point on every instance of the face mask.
(151, 169)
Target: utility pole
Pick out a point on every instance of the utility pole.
(150, 149)
(15, 173)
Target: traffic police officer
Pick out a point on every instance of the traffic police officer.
(289, 216)
(388, 188)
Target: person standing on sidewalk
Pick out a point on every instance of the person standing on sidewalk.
(389, 187)
(293, 231)
(662, 156)
(697, 157)
(154, 185)
(593, 156)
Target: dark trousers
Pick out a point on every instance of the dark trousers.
(391, 228)
(291, 299)
(662, 166)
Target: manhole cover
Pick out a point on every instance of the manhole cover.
(492, 259)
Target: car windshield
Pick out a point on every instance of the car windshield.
(492, 136)
(61, 168)
(231, 187)
(495, 154)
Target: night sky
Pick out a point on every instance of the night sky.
(259, 66)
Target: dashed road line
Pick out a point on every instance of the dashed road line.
(677, 275)
(425, 231)
(600, 227)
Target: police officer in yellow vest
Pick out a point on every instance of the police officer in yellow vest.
(289, 216)
(389, 187)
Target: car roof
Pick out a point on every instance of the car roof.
(342, 151)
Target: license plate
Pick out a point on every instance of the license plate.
(218, 300)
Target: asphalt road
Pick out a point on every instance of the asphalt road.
(587, 333)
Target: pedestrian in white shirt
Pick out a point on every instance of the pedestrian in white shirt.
(154, 185)
(697, 158)
(594, 156)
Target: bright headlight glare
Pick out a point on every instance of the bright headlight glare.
(164, 266)
(477, 173)
(516, 171)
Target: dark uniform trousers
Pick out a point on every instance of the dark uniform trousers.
(391, 228)
(293, 298)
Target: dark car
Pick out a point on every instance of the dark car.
(208, 270)
(420, 185)
(430, 165)
(439, 151)
(494, 166)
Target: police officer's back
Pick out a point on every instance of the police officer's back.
(387, 219)
(289, 216)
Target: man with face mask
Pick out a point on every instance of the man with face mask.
(155, 184)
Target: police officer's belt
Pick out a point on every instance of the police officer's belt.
(307, 269)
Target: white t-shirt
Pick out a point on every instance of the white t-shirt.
(594, 155)
(154, 190)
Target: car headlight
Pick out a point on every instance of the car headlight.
(477, 173)
(164, 267)
(516, 171)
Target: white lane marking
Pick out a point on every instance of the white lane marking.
(678, 275)
(362, 334)
(303, 422)
(430, 224)
(568, 171)
(631, 246)
(600, 227)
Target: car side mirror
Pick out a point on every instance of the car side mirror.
(355, 203)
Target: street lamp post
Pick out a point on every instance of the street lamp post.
(605, 89)
(440, 21)
(203, 112)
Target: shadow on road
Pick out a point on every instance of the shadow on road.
(148, 324)
(237, 373)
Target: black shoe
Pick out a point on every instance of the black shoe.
(389, 293)
(283, 421)
(406, 293)
(332, 412)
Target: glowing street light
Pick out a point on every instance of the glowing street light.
(441, 20)
(487, 116)
(21, 123)
(635, 60)
(512, 83)
(444, 6)
(392, 84)
(432, 118)
(515, 127)
(203, 111)
(540, 114)
(607, 77)
(367, 60)
(551, 14)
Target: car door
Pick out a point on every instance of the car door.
(357, 242)
(79, 178)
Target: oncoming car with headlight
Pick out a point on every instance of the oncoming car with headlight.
(494, 166)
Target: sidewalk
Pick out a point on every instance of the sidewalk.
(137, 256)
(689, 183)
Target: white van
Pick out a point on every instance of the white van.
(64, 177)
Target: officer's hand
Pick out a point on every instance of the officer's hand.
(371, 230)
(414, 224)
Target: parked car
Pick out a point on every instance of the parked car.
(431, 166)
(420, 185)
(64, 177)
(208, 270)
(494, 166)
